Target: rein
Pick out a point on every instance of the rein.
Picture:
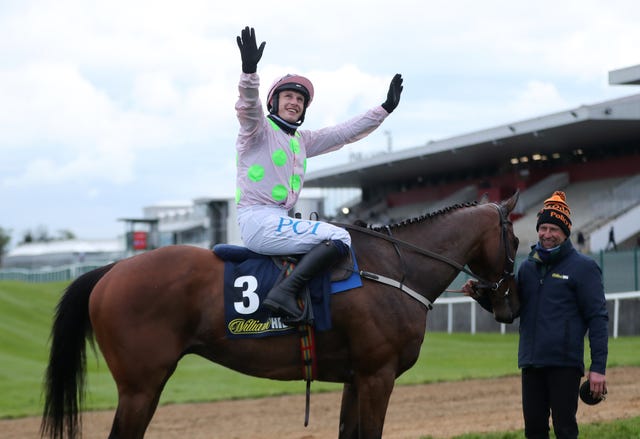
(483, 283)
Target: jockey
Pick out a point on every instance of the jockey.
(271, 161)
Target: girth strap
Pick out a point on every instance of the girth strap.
(394, 283)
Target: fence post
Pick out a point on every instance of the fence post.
(635, 266)
(602, 264)
(473, 317)
(616, 318)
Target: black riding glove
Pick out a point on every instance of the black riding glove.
(393, 95)
(249, 50)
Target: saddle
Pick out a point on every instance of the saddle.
(270, 270)
(342, 270)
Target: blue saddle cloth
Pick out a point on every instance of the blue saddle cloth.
(248, 278)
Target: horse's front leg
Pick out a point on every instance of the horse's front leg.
(374, 392)
(364, 405)
(349, 413)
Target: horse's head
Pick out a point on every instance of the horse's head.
(495, 263)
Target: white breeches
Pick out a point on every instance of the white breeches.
(269, 230)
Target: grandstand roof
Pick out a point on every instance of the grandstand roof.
(626, 76)
(67, 246)
(611, 123)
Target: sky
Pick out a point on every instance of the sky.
(110, 106)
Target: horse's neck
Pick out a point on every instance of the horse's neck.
(452, 236)
(445, 236)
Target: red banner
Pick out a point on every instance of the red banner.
(139, 240)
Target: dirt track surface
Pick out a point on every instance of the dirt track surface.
(441, 410)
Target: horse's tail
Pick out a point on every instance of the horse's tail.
(65, 375)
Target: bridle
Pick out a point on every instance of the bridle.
(509, 259)
(482, 286)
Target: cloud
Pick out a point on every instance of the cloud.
(52, 103)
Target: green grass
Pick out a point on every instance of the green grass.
(26, 312)
(620, 429)
(25, 319)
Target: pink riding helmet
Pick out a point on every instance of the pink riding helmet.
(289, 82)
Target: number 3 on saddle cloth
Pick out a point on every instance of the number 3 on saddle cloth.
(248, 278)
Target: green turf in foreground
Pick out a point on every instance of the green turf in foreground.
(621, 429)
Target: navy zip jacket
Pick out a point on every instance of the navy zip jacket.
(561, 299)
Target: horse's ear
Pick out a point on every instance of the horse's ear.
(510, 204)
(484, 199)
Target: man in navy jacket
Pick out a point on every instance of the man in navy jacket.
(562, 299)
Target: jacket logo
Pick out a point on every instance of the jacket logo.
(560, 276)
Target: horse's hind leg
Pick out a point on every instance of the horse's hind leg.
(141, 359)
(136, 405)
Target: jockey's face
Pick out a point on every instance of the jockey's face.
(290, 105)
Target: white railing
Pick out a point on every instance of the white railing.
(49, 274)
(617, 297)
(450, 301)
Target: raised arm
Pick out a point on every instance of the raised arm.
(249, 50)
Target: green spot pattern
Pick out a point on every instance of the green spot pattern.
(294, 182)
(255, 173)
(294, 144)
(279, 192)
(279, 157)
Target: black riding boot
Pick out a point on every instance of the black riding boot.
(282, 299)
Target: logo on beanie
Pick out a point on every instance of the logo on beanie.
(556, 211)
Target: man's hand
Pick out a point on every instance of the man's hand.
(470, 289)
(597, 384)
(393, 95)
(249, 50)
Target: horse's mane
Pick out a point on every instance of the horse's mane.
(414, 220)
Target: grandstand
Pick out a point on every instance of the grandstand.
(595, 208)
(592, 152)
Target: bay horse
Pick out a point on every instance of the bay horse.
(148, 311)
